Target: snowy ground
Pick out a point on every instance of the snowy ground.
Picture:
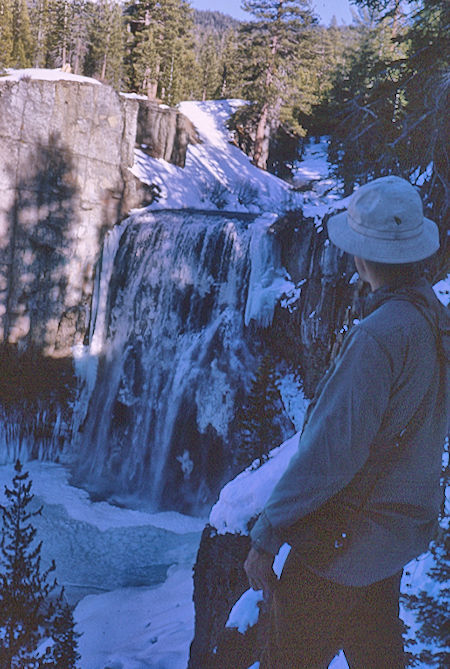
(129, 571)
(219, 176)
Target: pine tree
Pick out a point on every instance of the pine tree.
(230, 82)
(209, 68)
(40, 25)
(67, 34)
(6, 33)
(272, 50)
(391, 104)
(24, 588)
(22, 51)
(106, 42)
(160, 50)
(431, 608)
(367, 103)
(29, 614)
(257, 426)
(64, 651)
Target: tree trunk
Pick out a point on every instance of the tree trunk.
(261, 149)
(103, 72)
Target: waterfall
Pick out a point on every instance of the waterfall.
(171, 356)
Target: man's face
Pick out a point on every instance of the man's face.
(361, 268)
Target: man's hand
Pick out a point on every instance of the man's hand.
(258, 567)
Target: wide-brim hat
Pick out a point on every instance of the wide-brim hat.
(384, 222)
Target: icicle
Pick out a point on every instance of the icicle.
(268, 278)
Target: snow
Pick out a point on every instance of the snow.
(152, 625)
(51, 484)
(219, 176)
(312, 166)
(442, 290)
(98, 547)
(245, 496)
(293, 399)
(42, 74)
(136, 628)
(268, 278)
(245, 612)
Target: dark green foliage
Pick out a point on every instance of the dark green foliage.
(432, 609)
(106, 43)
(215, 48)
(160, 53)
(274, 59)
(257, 423)
(28, 615)
(64, 651)
(6, 33)
(22, 49)
(24, 588)
(390, 102)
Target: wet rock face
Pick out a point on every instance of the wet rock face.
(65, 149)
(164, 133)
(306, 333)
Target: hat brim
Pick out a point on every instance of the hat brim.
(384, 250)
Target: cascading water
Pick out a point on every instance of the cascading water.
(171, 357)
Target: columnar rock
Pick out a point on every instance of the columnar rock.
(65, 148)
(163, 132)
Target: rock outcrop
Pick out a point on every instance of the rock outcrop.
(163, 132)
(66, 148)
(219, 581)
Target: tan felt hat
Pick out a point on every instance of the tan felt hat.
(384, 222)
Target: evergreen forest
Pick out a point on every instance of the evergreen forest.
(378, 87)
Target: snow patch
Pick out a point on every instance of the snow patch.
(245, 612)
(133, 628)
(442, 290)
(42, 74)
(245, 496)
(219, 176)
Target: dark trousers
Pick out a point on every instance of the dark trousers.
(312, 619)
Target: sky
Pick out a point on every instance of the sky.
(324, 8)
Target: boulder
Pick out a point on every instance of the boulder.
(163, 132)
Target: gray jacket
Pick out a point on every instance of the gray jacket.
(392, 372)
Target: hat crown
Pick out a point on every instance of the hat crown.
(387, 208)
(384, 222)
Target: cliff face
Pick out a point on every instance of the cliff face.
(163, 132)
(63, 183)
(66, 147)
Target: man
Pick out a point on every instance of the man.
(370, 454)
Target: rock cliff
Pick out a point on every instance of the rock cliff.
(63, 183)
(66, 146)
(163, 132)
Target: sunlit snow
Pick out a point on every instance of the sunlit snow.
(46, 75)
(219, 176)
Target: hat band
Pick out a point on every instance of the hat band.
(393, 236)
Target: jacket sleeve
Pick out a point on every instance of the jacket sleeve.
(336, 440)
